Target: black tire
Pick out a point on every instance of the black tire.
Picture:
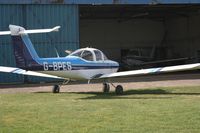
(106, 88)
(119, 90)
(56, 89)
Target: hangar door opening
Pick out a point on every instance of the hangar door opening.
(143, 35)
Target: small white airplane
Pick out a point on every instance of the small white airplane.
(82, 64)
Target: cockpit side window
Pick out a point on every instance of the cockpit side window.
(98, 55)
(87, 55)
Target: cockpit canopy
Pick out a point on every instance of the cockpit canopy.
(89, 54)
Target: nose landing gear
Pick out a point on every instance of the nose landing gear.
(118, 88)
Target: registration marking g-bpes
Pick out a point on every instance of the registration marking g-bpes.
(57, 66)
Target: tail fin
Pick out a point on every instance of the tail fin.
(24, 52)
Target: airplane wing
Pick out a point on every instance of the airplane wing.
(24, 72)
(152, 71)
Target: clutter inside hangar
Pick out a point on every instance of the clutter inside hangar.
(141, 35)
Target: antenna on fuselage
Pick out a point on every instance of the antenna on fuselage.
(57, 53)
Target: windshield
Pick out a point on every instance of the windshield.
(78, 54)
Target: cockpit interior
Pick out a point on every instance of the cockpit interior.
(89, 54)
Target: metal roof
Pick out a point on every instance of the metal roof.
(99, 2)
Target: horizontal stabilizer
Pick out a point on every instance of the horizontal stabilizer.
(40, 30)
(17, 30)
(5, 32)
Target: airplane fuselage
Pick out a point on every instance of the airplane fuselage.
(73, 67)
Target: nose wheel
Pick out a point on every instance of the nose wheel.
(118, 88)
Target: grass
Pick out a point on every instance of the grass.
(161, 110)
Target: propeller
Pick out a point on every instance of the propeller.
(68, 51)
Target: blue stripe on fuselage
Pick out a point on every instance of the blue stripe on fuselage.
(71, 63)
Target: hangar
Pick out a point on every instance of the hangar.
(172, 29)
(160, 29)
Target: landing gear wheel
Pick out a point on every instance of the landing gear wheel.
(106, 87)
(119, 90)
(56, 89)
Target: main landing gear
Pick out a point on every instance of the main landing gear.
(56, 89)
(118, 88)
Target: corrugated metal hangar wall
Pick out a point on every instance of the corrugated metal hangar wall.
(34, 17)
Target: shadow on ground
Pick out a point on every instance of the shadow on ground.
(135, 94)
(132, 94)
